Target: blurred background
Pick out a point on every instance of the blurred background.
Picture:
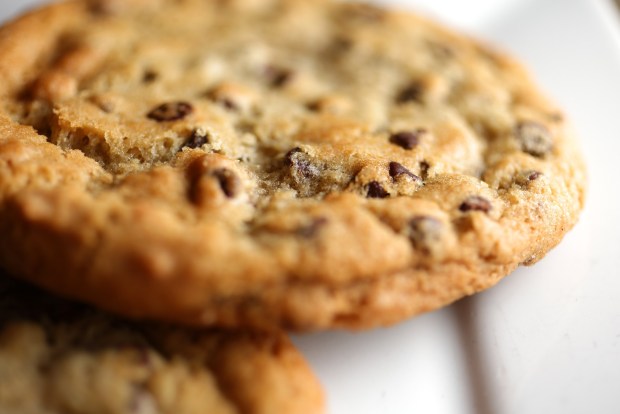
(464, 14)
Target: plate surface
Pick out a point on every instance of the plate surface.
(547, 338)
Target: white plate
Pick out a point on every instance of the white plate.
(547, 338)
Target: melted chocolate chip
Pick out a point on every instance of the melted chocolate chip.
(228, 104)
(407, 139)
(314, 106)
(311, 230)
(170, 111)
(278, 77)
(533, 175)
(476, 203)
(376, 190)
(525, 178)
(149, 76)
(397, 170)
(197, 140)
(228, 180)
(424, 232)
(411, 93)
(534, 138)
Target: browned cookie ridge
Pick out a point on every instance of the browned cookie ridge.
(271, 163)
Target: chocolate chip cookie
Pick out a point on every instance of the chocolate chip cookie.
(271, 163)
(58, 357)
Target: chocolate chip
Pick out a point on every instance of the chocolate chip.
(407, 139)
(201, 179)
(533, 175)
(424, 167)
(278, 77)
(397, 170)
(228, 180)
(298, 160)
(534, 138)
(411, 93)
(170, 111)
(475, 203)
(376, 190)
(228, 104)
(150, 76)
(424, 232)
(525, 178)
(197, 140)
(314, 106)
(311, 230)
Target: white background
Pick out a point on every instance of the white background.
(547, 338)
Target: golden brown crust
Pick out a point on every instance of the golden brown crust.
(370, 160)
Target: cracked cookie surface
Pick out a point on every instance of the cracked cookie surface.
(271, 163)
(58, 357)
